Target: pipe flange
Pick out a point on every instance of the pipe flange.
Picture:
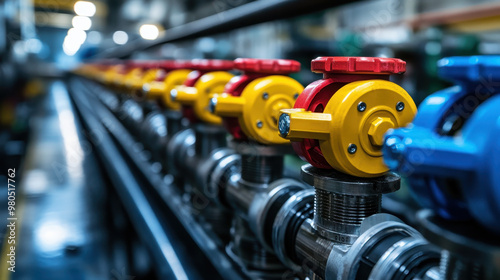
(287, 223)
(227, 169)
(254, 148)
(405, 256)
(265, 206)
(178, 148)
(206, 168)
(381, 232)
(343, 201)
(334, 181)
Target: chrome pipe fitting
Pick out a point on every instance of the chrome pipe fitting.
(255, 260)
(253, 195)
(226, 173)
(289, 219)
(266, 205)
(208, 138)
(153, 134)
(386, 249)
(181, 144)
(342, 201)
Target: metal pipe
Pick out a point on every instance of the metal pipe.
(208, 138)
(312, 249)
(244, 15)
(261, 169)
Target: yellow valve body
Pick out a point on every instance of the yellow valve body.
(87, 70)
(136, 79)
(342, 124)
(161, 90)
(111, 75)
(199, 96)
(259, 105)
(131, 78)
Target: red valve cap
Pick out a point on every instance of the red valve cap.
(145, 64)
(267, 66)
(136, 63)
(358, 65)
(108, 62)
(212, 64)
(174, 64)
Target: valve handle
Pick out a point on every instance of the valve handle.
(314, 98)
(168, 75)
(113, 73)
(358, 65)
(209, 78)
(139, 72)
(253, 69)
(251, 102)
(339, 71)
(141, 64)
(267, 66)
(158, 64)
(169, 65)
(351, 127)
(206, 65)
(339, 121)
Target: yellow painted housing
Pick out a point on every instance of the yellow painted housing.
(199, 96)
(135, 82)
(161, 90)
(111, 75)
(343, 125)
(259, 105)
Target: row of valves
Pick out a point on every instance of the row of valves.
(352, 126)
(337, 122)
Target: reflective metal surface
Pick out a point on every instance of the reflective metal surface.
(158, 211)
(341, 201)
(63, 232)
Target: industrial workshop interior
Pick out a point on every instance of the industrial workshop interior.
(250, 139)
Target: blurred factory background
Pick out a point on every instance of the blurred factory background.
(71, 224)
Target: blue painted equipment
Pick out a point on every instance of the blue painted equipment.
(451, 152)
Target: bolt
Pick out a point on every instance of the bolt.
(212, 104)
(400, 106)
(259, 124)
(361, 106)
(295, 96)
(265, 96)
(284, 124)
(377, 129)
(352, 148)
(173, 94)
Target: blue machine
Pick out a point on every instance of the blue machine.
(451, 152)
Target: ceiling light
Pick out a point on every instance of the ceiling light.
(149, 31)
(85, 8)
(76, 35)
(81, 22)
(120, 37)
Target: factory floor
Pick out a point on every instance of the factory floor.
(60, 201)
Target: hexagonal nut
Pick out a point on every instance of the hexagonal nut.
(377, 129)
